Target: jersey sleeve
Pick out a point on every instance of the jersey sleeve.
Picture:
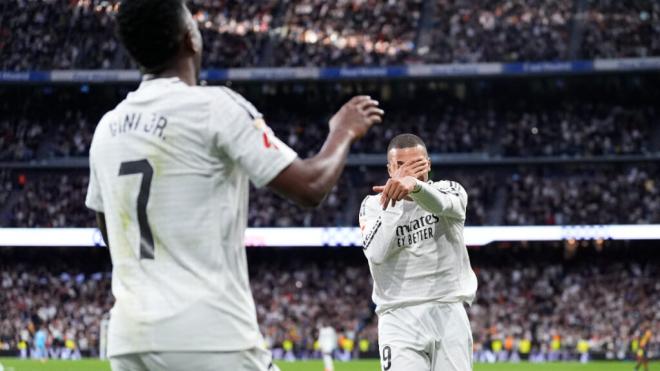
(93, 200)
(446, 198)
(239, 131)
(378, 230)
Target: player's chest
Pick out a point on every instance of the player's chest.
(418, 229)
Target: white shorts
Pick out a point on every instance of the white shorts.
(256, 359)
(425, 337)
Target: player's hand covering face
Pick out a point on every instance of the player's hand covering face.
(406, 166)
(357, 116)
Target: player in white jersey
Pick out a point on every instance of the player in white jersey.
(413, 239)
(328, 344)
(169, 173)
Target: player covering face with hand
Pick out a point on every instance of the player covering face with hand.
(413, 240)
(170, 168)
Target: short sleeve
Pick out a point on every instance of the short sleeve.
(93, 200)
(239, 131)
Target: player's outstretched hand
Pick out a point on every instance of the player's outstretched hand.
(357, 116)
(402, 182)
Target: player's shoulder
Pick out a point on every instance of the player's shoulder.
(370, 202)
(450, 186)
(226, 99)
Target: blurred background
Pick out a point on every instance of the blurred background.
(545, 111)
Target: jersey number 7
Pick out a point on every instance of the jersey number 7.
(142, 167)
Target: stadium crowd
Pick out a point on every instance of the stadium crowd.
(468, 31)
(358, 32)
(68, 306)
(584, 196)
(614, 29)
(527, 196)
(46, 129)
(80, 33)
(47, 200)
(529, 311)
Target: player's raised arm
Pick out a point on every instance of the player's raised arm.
(307, 182)
(446, 198)
(378, 229)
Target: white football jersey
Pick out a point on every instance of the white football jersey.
(170, 167)
(417, 255)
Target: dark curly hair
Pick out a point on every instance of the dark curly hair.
(151, 31)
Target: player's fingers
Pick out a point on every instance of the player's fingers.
(385, 191)
(419, 168)
(389, 189)
(374, 111)
(400, 194)
(359, 99)
(411, 164)
(375, 119)
(378, 189)
(384, 202)
(418, 162)
(365, 104)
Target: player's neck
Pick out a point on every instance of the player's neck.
(183, 69)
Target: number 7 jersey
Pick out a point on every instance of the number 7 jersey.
(169, 168)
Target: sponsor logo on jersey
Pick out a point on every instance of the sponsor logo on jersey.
(417, 230)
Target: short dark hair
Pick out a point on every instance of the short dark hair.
(151, 31)
(405, 141)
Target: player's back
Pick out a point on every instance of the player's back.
(175, 201)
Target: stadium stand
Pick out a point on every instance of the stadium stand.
(529, 150)
(550, 195)
(42, 123)
(80, 34)
(538, 294)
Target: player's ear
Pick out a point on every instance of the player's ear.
(192, 42)
(390, 171)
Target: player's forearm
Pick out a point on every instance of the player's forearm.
(437, 202)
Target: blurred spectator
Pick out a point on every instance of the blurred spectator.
(468, 31)
(584, 196)
(50, 200)
(66, 306)
(584, 128)
(235, 33)
(614, 29)
(44, 35)
(353, 32)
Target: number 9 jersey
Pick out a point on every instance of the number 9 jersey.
(169, 168)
